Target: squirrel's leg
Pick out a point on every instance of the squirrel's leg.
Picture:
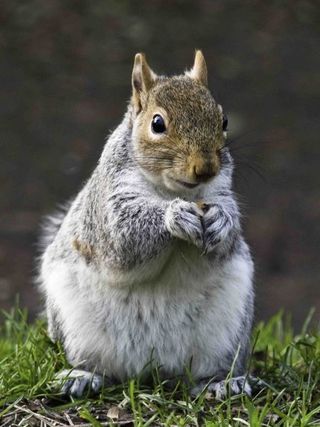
(237, 381)
(78, 383)
(223, 385)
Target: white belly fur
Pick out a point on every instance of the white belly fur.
(190, 310)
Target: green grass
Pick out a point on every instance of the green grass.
(289, 364)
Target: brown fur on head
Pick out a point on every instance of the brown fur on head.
(186, 153)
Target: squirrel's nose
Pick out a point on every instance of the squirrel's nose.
(203, 170)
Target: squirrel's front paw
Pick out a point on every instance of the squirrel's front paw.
(217, 224)
(183, 220)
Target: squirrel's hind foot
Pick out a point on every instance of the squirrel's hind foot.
(78, 383)
(223, 389)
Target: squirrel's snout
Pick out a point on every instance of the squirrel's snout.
(203, 169)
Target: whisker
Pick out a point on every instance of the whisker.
(165, 147)
(180, 149)
(236, 139)
(249, 145)
(253, 167)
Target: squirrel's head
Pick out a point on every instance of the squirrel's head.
(178, 128)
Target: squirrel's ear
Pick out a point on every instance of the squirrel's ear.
(143, 79)
(199, 70)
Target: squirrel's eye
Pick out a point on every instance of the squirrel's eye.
(157, 124)
(225, 124)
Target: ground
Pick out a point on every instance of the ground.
(288, 363)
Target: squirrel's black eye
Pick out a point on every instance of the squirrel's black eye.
(157, 124)
(225, 124)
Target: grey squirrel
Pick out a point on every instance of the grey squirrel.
(149, 259)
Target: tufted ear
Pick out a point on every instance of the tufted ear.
(199, 70)
(143, 79)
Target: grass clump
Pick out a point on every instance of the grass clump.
(287, 363)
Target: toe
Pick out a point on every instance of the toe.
(65, 389)
(235, 387)
(96, 383)
(79, 386)
(247, 389)
(219, 390)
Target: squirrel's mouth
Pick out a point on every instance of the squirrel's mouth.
(187, 184)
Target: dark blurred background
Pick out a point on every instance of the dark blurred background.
(65, 69)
